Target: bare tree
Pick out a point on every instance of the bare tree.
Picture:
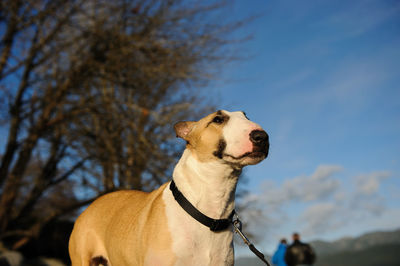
(89, 90)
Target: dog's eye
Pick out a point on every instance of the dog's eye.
(218, 119)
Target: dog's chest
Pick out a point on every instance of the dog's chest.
(193, 243)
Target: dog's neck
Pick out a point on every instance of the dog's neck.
(209, 186)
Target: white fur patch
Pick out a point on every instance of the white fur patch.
(193, 243)
(207, 187)
(237, 134)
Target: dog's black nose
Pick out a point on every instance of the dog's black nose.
(259, 137)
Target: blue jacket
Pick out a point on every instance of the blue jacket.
(279, 256)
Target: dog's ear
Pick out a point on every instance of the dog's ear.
(182, 129)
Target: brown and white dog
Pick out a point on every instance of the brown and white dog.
(138, 228)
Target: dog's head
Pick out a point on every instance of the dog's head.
(227, 136)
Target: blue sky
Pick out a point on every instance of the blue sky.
(322, 77)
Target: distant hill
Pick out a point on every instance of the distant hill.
(356, 244)
(372, 249)
(381, 255)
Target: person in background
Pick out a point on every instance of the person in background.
(278, 258)
(299, 253)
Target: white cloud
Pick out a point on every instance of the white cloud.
(321, 202)
(368, 184)
(317, 218)
(317, 186)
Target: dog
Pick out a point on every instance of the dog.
(186, 221)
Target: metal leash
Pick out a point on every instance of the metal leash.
(237, 224)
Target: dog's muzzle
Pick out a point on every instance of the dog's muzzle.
(260, 141)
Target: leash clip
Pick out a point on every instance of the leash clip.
(237, 225)
(236, 222)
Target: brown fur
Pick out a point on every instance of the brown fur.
(203, 137)
(116, 221)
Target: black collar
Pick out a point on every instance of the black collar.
(215, 225)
